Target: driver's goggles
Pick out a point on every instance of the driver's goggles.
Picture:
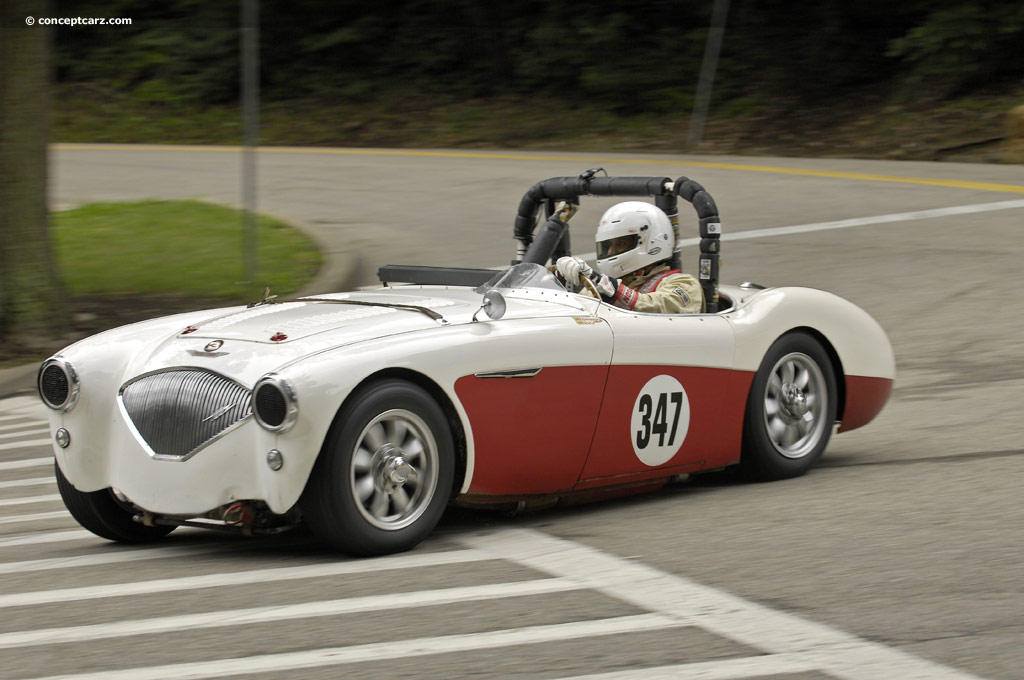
(616, 246)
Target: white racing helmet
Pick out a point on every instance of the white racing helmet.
(631, 236)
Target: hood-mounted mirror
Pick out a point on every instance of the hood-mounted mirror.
(493, 306)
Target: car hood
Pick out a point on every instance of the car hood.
(245, 343)
(301, 321)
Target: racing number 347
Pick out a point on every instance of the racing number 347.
(654, 418)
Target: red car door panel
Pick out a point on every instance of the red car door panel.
(669, 404)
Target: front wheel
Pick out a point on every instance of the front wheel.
(790, 410)
(385, 473)
(101, 513)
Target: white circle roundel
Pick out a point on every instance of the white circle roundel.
(661, 417)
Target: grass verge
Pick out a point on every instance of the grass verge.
(126, 262)
(175, 248)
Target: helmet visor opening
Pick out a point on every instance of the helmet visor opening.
(616, 246)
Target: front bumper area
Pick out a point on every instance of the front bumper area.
(107, 452)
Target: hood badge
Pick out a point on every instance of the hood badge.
(210, 350)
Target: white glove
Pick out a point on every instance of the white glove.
(571, 268)
(607, 286)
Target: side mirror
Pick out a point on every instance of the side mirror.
(493, 306)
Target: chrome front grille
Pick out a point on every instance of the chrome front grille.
(179, 411)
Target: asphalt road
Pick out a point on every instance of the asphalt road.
(898, 557)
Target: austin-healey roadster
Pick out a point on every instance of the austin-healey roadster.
(364, 414)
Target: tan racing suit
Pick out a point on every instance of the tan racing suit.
(658, 289)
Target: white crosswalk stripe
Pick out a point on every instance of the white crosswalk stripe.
(27, 463)
(9, 427)
(9, 446)
(290, 661)
(36, 481)
(8, 436)
(29, 499)
(46, 537)
(119, 556)
(253, 615)
(7, 419)
(238, 578)
(34, 517)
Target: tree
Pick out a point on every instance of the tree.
(29, 286)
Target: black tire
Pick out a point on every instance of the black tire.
(384, 475)
(102, 514)
(791, 409)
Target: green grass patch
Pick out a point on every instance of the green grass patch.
(175, 248)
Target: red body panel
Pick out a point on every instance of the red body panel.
(532, 435)
(536, 436)
(717, 398)
(865, 397)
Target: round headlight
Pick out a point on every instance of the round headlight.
(58, 384)
(274, 404)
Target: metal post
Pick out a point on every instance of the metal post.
(707, 71)
(250, 40)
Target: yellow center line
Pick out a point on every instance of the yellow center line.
(742, 167)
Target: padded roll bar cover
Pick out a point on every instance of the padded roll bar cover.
(686, 188)
(710, 227)
(704, 204)
(627, 186)
(547, 241)
(669, 203)
(554, 188)
(563, 248)
(710, 245)
(707, 274)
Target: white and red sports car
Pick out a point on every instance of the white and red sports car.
(364, 414)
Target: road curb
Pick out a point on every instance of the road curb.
(339, 269)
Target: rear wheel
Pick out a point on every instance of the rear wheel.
(790, 410)
(385, 473)
(101, 513)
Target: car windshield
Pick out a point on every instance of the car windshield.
(523, 275)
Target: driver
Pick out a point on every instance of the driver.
(634, 246)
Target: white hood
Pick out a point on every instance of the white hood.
(246, 343)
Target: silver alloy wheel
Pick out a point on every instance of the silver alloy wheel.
(795, 405)
(394, 469)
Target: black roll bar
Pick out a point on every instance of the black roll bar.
(552, 241)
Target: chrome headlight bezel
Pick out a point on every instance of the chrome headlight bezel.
(70, 374)
(286, 390)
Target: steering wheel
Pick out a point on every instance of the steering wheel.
(585, 279)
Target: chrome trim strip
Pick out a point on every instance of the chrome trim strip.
(514, 373)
